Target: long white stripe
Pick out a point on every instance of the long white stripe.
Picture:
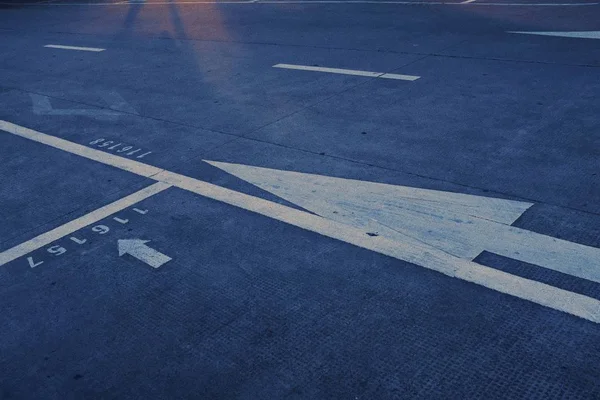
(60, 46)
(419, 254)
(83, 221)
(348, 72)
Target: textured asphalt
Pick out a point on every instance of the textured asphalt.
(252, 308)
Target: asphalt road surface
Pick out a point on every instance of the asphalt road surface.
(300, 199)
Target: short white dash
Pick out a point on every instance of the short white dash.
(369, 74)
(60, 46)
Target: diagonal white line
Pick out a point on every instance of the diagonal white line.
(81, 222)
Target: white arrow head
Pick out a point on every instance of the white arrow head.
(126, 246)
(137, 248)
(577, 35)
(453, 222)
(462, 225)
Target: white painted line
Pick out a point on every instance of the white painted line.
(60, 46)
(468, 1)
(348, 72)
(576, 35)
(136, 167)
(411, 251)
(81, 222)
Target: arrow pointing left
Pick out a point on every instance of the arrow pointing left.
(42, 106)
(138, 249)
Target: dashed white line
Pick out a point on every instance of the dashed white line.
(63, 47)
(81, 222)
(348, 72)
(422, 255)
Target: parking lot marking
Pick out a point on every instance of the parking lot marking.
(411, 251)
(83, 221)
(348, 72)
(576, 35)
(60, 46)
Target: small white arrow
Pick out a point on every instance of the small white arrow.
(138, 249)
(576, 35)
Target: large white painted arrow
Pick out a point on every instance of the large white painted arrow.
(458, 224)
(381, 218)
(577, 35)
(138, 249)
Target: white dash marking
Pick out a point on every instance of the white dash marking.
(81, 222)
(348, 72)
(575, 35)
(60, 46)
